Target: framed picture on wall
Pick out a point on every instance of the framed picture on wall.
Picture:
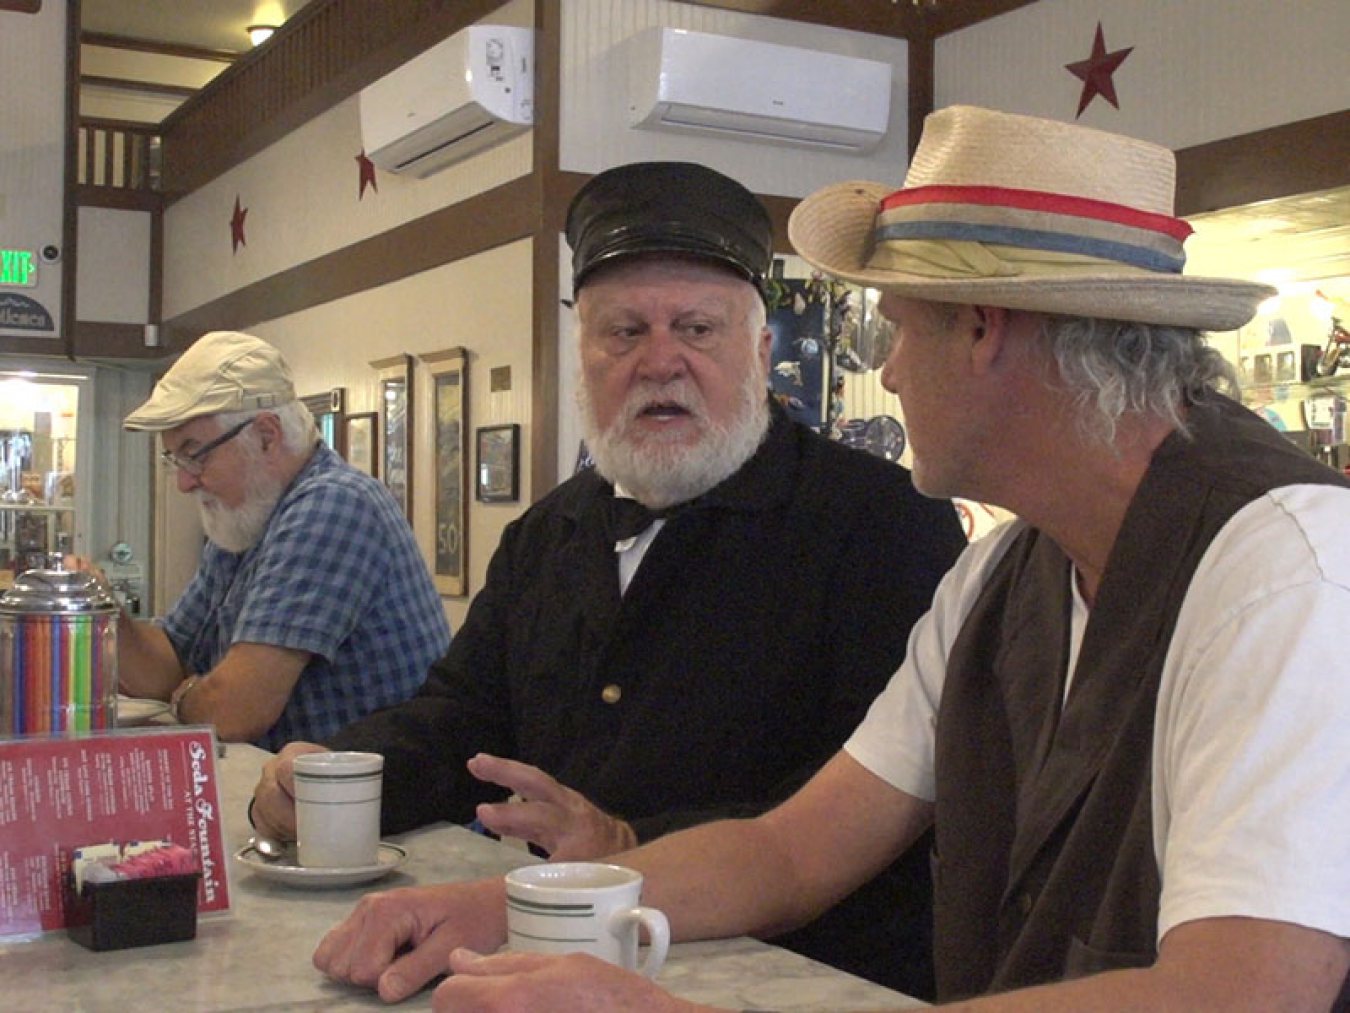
(499, 464)
(1262, 370)
(449, 505)
(363, 437)
(395, 385)
(328, 409)
(1286, 371)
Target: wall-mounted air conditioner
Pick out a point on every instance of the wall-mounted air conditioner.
(465, 94)
(757, 91)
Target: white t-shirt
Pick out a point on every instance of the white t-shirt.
(1251, 751)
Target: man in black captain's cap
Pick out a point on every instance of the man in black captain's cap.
(693, 627)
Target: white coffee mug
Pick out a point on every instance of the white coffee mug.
(583, 907)
(337, 809)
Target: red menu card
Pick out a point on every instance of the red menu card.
(57, 795)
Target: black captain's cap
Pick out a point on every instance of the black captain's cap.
(668, 207)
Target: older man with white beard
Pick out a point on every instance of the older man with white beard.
(643, 417)
(690, 629)
(311, 606)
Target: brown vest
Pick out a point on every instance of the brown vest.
(1044, 863)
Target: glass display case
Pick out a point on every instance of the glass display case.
(37, 472)
(1293, 362)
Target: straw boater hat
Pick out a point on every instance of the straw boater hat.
(1025, 213)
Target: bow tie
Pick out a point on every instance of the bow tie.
(627, 518)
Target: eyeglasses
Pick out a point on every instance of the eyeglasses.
(195, 463)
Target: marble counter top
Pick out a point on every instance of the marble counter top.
(257, 957)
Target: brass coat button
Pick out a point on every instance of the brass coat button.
(611, 693)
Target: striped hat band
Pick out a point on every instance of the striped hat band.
(1026, 213)
(1012, 219)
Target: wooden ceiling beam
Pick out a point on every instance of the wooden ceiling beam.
(878, 17)
(106, 41)
(900, 19)
(953, 15)
(131, 84)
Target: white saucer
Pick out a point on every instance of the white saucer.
(284, 870)
(132, 711)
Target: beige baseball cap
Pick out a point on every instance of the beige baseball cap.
(224, 371)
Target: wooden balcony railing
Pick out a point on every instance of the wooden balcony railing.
(118, 155)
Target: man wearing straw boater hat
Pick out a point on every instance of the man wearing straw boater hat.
(1126, 712)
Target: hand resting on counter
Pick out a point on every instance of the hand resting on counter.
(396, 941)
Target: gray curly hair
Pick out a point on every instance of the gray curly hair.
(1113, 368)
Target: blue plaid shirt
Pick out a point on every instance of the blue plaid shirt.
(338, 574)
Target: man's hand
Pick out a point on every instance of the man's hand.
(530, 982)
(561, 821)
(398, 940)
(274, 798)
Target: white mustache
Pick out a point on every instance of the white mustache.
(680, 395)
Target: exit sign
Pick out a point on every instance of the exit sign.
(18, 269)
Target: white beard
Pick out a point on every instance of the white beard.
(237, 529)
(660, 473)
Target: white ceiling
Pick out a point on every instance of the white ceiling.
(206, 24)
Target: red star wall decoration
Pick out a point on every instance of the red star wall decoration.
(237, 226)
(367, 177)
(1095, 72)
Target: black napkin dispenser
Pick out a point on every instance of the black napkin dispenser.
(135, 912)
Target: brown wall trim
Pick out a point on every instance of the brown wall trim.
(70, 253)
(156, 294)
(117, 198)
(1300, 157)
(780, 210)
(491, 219)
(94, 340)
(53, 345)
(545, 250)
(922, 61)
(127, 126)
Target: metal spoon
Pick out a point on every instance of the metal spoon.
(269, 849)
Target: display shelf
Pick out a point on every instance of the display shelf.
(1268, 393)
(29, 531)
